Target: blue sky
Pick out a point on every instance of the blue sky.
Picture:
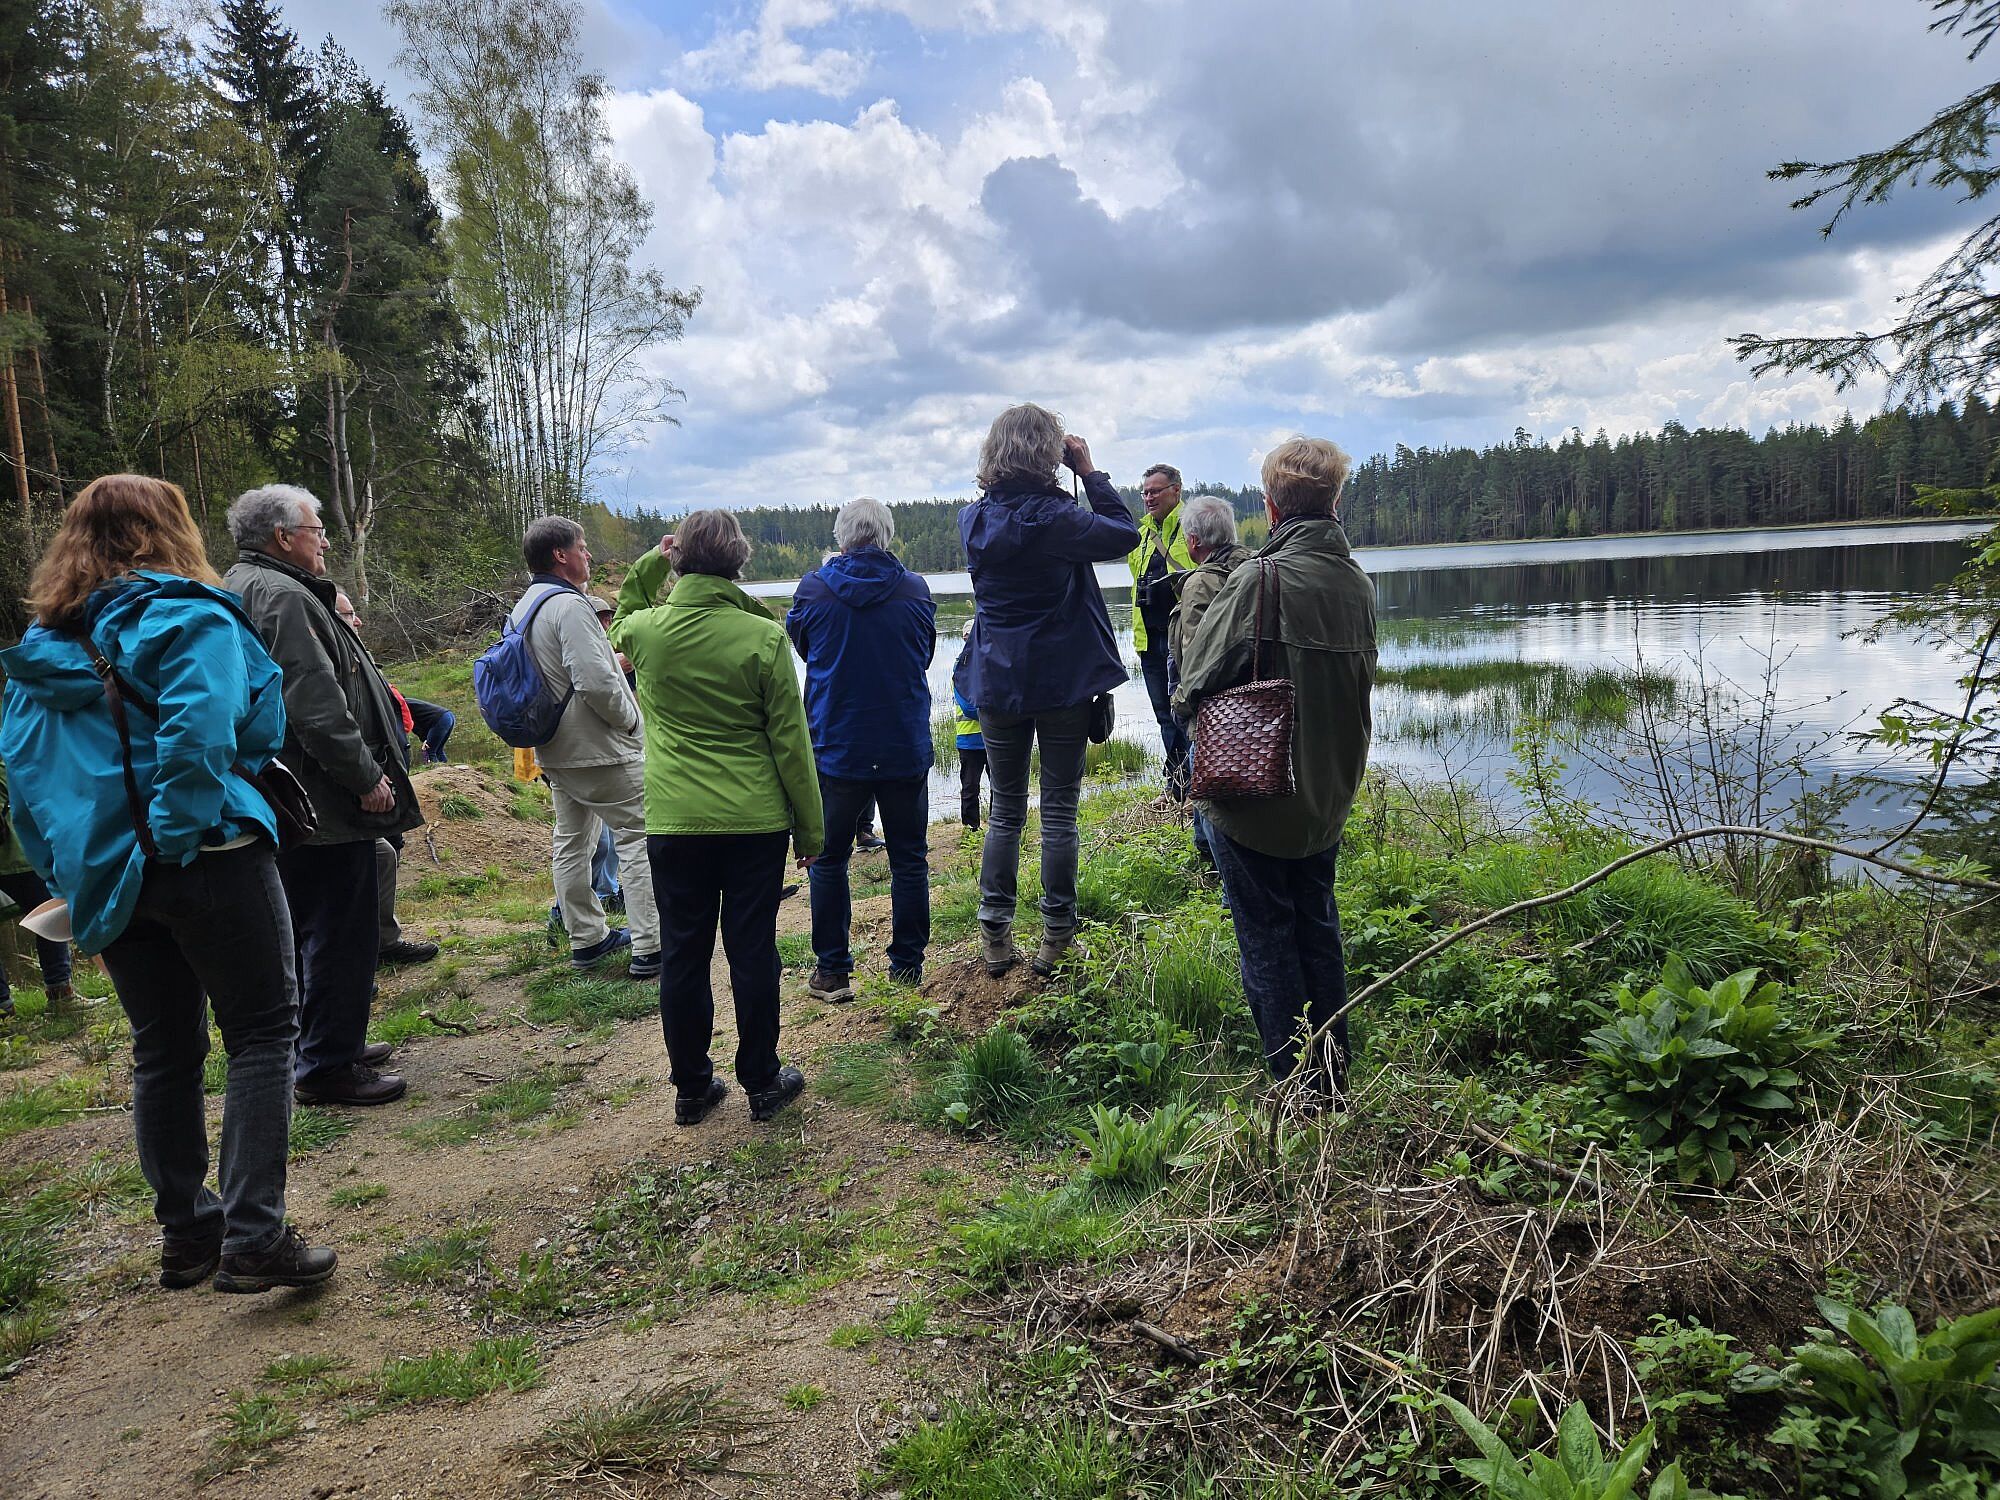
(1197, 228)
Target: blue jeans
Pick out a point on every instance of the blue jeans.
(1288, 944)
(28, 892)
(905, 808)
(220, 926)
(1010, 740)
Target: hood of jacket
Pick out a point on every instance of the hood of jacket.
(52, 667)
(864, 578)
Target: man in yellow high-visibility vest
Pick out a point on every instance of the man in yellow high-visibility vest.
(1159, 563)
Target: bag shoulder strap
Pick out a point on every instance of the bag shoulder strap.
(1266, 569)
(114, 697)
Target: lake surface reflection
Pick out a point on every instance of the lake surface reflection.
(1719, 604)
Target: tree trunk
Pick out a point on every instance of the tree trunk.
(17, 443)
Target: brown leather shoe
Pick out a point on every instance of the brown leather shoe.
(289, 1261)
(375, 1054)
(356, 1084)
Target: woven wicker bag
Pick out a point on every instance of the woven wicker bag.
(1243, 736)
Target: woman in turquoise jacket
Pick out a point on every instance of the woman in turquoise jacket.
(199, 919)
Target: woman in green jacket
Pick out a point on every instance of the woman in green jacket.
(730, 782)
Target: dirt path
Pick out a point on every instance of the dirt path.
(143, 1387)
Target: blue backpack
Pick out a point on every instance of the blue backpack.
(514, 699)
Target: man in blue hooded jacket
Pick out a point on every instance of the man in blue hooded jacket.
(867, 628)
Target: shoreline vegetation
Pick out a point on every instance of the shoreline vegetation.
(1640, 1166)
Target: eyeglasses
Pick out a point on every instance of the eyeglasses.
(1154, 494)
(320, 529)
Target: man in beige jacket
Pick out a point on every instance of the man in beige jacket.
(595, 761)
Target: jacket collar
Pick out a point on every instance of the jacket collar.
(323, 588)
(1308, 534)
(1167, 529)
(553, 582)
(706, 591)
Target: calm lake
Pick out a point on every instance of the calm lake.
(1715, 604)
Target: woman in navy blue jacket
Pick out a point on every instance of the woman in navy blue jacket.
(1040, 649)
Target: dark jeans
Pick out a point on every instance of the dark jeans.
(698, 880)
(1288, 942)
(331, 891)
(28, 892)
(1010, 740)
(971, 767)
(1173, 739)
(434, 723)
(905, 807)
(219, 925)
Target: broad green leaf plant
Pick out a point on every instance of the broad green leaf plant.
(1579, 1469)
(1695, 1074)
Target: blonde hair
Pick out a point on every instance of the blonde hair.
(710, 541)
(116, 525)
(1303, 476)
(1024, 442)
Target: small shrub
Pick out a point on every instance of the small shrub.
(1903, 1412)
(1684, 1367)
(1578, 1471)
(1697, 1074)
(1133, 1152)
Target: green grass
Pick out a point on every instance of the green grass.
(450, 1256)
(795, 950)
(853, 1336)
(251, 1424)
(511, 1364)
(586, 1001)
(32, 1106)
(981, 1453)
(803, 1398)
(358, 1195)
(316, 1129)
(1492, 695)
(302, 1371)
(909, 1320)
(456, 805)
(1117, 759)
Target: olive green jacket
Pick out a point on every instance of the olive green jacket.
(13, 858)
(727, 750)
(1155, 537)
(1198, 591)
(1325, 643)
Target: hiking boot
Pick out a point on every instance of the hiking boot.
(614, 903)
(868, 841)
(186, 1263)
(1054, 949)
(692, 1109)
(913, 976)
(997, 950)
(356, 1084)
(405, 952)
(646, 966)
(375, 1054)
(61, 997)
(589, 958)
(289, 1262)
(830, 987)
(789, 1085)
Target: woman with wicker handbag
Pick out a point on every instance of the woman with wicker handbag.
(1277, 678)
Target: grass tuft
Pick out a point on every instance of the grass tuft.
(512, 1364)
(651, 1437)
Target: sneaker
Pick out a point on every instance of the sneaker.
(830, 987)
(187, 1263)
(647, 965)
(375, 1054)
(913, 977)
(289, 1262)
(589, 958)
(405, 952)
(997, 950)
(692, 1109)
(789, 1084)
(1054, 949)
(357, 1084)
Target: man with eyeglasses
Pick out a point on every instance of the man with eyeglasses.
(1159, 563)
(344, 738)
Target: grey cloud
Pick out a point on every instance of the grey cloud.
(1476, 170)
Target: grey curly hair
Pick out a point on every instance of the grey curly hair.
(257, 514)
(1208, 519)
(1025, 442)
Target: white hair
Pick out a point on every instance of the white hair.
(863, 523)
(1208, 519)
(258, 514)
